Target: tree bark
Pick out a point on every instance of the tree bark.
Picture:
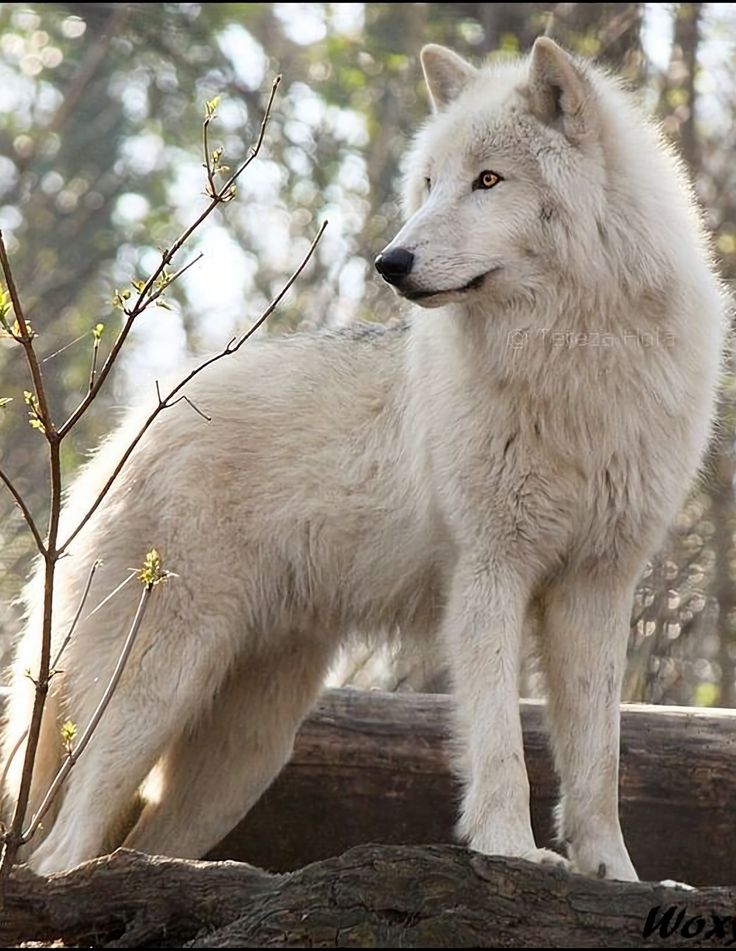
(375, 767)
(372, 896)
(681, 76)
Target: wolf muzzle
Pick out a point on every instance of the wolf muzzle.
(394, 265)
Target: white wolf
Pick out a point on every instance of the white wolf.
(507, 462)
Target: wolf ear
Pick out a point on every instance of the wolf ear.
(445, 73)
(560, 94)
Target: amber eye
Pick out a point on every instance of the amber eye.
(487, 180)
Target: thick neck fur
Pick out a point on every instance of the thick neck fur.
(603, 259)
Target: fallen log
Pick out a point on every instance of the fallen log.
(372, 896)
(374, 767)
(370, 765)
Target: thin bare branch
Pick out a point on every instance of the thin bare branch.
(25, 337)
(20, 502)
(166, 402)
(255, 149)
(75, 620)
(211, 185)
(93, 368)
(69, 762)
(282, 293)
(148, 293)
(144, 295)
(13, 754)
(65, 347)
(11, 838)
(54, 664)
(194, 406)
(174, 277)
(111, 595)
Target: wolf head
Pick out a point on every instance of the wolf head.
(511, 183)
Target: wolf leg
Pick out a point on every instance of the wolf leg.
(583, 649)
(156, 697)
(220, 766)
(483, 632)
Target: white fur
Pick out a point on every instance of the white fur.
(506, 463)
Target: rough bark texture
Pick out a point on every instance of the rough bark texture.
(374, 767)
(371, 765)
(372, 896)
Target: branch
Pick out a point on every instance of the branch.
(168, 401)
(75, 619)
(148, 293)
(279, 297)
(66, 346)
(378, 896)
(111, 595)
(174, 277)
(25, 337)
(211, 186)
(73, 756)
(11, 838)
(93, 368)
(144, 298)
(54, 663)
(20, 502)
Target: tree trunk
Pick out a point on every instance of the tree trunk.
(680, 93)
(374, 767)
(372, 896)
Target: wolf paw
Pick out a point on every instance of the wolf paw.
(673, 883)
(547, 857)
(610, 864)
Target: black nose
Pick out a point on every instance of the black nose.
(394, 265)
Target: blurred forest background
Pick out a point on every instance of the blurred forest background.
(100, 166)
